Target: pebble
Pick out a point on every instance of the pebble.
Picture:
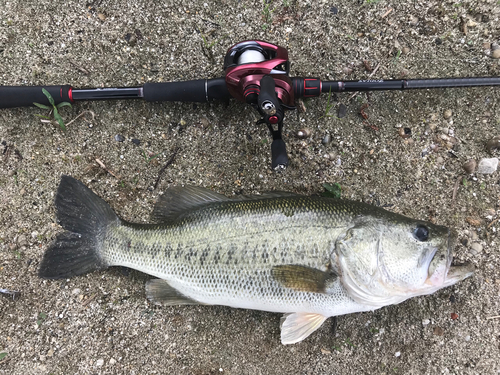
(136, 141)
(327, 139)
(21, 240)
(346, 70)
(342, 111)
(413, 20)
(496, 54)
(112, 361)
(99, 362)
(439, 160)
(487, 166)
(447, 114)
(467, 338)
(493, 144)
(397, 354)
(50, 353)
(425, 322)
(119, 138)
(76, 291)
(405, 50)
(477, 248)
(438, 331)
(304, 133)
(470, 166)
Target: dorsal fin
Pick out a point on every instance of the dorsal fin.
(267, 195)
(180, 199)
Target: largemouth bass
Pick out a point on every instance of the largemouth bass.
(308, 257)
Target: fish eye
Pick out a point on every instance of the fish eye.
(421, 233)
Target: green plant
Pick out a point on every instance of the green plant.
(41, 317)
(267, 14)
(398, 55)
(3, 355)
(329, 106)
(332, 190)
(205, 42)
(55, 109)
(149, 158)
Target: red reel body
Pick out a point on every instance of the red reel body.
(246, 63)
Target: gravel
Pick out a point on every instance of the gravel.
(220, 146)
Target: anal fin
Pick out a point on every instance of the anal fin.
(297, 326)
(159, 292)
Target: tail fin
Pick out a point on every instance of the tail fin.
(86, 217)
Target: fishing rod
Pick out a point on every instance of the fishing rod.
(256, 73)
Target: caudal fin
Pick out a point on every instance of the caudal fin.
(86, 217)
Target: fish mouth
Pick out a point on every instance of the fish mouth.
(443, 273)
(457, 273)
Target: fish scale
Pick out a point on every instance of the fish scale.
(307, 257)
(223, 254)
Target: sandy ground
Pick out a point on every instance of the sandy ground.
(102, 323)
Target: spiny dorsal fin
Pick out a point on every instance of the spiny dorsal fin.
(267, 195)
(297, 326)
(302, 278)
(178, 200)
(159, 292)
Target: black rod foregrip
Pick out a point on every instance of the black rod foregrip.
(25, 96)
(200, 90)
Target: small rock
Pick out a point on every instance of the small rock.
(454, 316)
(467, 338)
(473, 221)
(101, 16)
(397, 354)
(119, 138)
(425, 322)
(487, 166)
(136, 141)
(327, 139)
(50, 353)
(303, 133)
(99, 362)
(112, 361)
(405, 51)
(477, 248)
(439, 160)
(43, 358)
(470, 166)
(76, 291)
(493, 144)
(346, 70)
(413, 20)
(496, 54)
(334, 10)
(438, 331)
(21, 240)
(342, 111)
(471, 23)
(474, 235)
(447, 114)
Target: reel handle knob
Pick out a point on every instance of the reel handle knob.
(278, 155)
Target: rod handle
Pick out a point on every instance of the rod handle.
(25, 96)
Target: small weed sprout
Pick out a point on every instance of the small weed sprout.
(329, 106)
(55, 109)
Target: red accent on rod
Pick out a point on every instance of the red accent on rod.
(70, 94)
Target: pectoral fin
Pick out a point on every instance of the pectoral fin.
(159, 292)
(302, 278)
(297, 326)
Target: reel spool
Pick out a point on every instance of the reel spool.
(246, 63)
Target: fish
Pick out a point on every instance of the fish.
(308, 257)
